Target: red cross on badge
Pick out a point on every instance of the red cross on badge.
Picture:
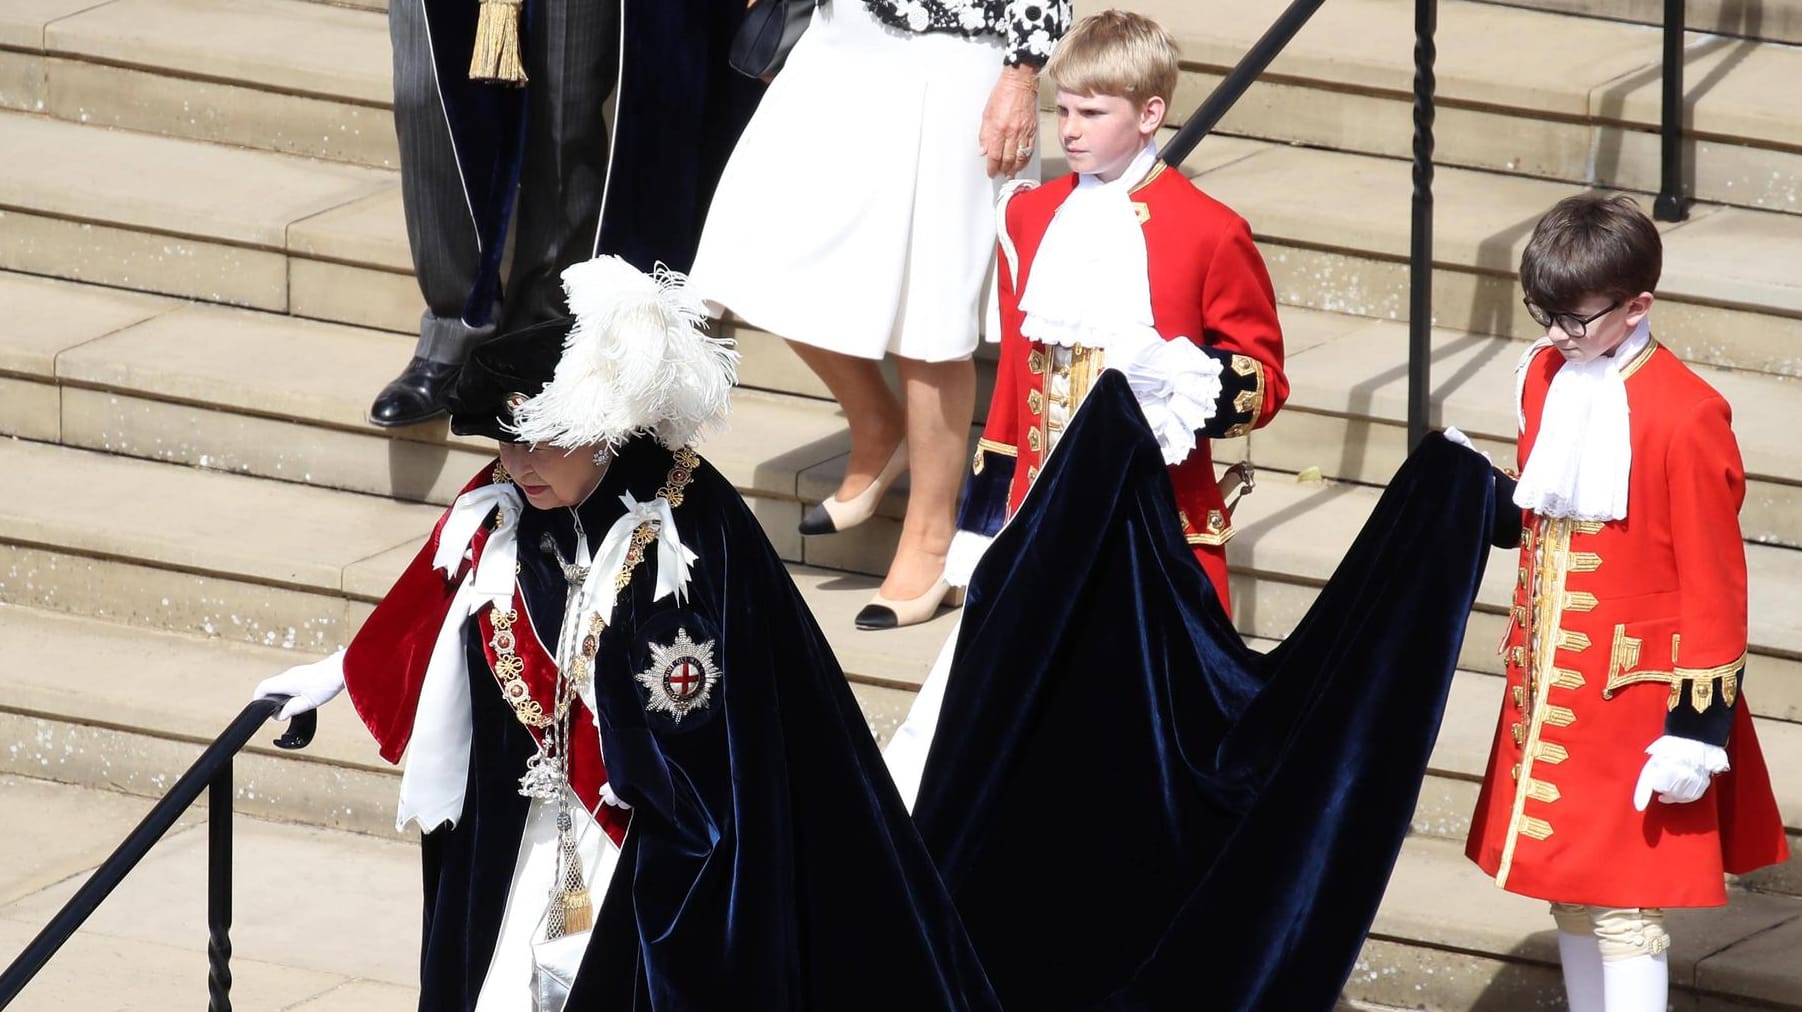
(684, 679)
(681, 676)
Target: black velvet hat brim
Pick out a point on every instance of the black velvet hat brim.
(517, 364)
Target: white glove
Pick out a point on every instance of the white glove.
(1453, 434)
(312, 685)
(1679, 771)
(967, 549)
(610, 798)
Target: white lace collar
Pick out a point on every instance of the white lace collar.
(1583, 453)
(1089, 278)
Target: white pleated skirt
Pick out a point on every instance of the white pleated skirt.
(856, 213)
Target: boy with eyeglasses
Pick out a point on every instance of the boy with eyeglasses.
(1626, 645)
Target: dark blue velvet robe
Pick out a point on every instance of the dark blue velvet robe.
(769, 864)
(1134, 810)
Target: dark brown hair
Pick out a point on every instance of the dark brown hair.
(1591, 244)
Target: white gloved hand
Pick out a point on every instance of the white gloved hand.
(610, 798)
(1455, 435)
(1679, 771)
(312, 685)
(967, 550)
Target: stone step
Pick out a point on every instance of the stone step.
(322, 919)
(202, 552)
(176, 217)
(1444, 938)
(1347, 409)
(195, 551)
(226, 389)
(277, 564)
(277, 397)
(1447, 939)
(193, 219)
(278, 75)
(1772, 22)
(781, 451)
(1525, 92)
(103, 704)
(1334, 229)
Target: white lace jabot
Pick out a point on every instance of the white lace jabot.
(1089, 278)
(1583, 453)
(1091, 285)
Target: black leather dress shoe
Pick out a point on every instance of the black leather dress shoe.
(416, 395)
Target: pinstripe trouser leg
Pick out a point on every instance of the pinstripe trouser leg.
(440, 230)
(571, 50)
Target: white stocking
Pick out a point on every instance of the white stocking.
(1639, 984)
(1581, 957)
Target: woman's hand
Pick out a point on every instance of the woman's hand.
(1010, 122)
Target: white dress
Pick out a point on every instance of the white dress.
(856, 214)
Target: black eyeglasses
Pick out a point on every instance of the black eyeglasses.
(1574, 326)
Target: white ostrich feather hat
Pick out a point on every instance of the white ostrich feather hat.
(637, 360)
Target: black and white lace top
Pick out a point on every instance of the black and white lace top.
(1031, 27)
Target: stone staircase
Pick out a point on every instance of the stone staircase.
(204, 277)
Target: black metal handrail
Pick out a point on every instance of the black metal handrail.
(1672, 203)
(1673, 200)
(1420, 257)
(1420, 228)
(1255, 61)
(212, 772)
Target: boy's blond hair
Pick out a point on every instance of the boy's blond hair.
(1116, 53)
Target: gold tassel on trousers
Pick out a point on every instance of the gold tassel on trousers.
(496, 57)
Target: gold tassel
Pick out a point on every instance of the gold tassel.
(578, 913)
(496, 56)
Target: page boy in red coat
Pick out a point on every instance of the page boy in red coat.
(1125, 264)
(1625, 775)
(1121, 264)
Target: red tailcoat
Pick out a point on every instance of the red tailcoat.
(1207, 284)
(1621, 632)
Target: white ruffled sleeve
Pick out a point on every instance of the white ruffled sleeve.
(1176, 383)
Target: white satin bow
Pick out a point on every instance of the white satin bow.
(673, 557)
(495, 575)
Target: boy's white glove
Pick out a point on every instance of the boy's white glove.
(1453, 434)
(312, 685)
(1679, 771)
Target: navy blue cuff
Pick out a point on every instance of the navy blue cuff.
(984, 508)
(1505, 530)
(1705, 705)
(1241, 398)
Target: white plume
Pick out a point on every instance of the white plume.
(637, 360)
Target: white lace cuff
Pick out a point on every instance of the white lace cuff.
(1177, 386)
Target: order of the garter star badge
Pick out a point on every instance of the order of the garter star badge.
(681, 677)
